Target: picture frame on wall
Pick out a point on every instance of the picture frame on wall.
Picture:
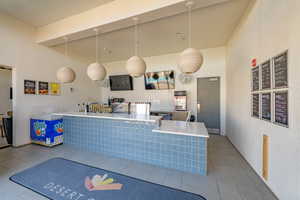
(163, 80)
(281, 108)
(255, 86)
(266, 106)
(29, 87)
(43, 88)
(266, 75)
(55, 89)
(280, 71)
(255, 99)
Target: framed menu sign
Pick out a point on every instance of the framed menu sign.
(266, 75)
(255, 79)
(281, 70)
(54, 89)
(29, 87)
(281, 108)
(43, 88)
(255, 105)
(266, 106)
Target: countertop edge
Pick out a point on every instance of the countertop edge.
(179, 133)
(106, 117)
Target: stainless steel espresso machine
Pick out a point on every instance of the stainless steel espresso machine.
(180, 98)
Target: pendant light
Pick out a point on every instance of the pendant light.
(96, 71)
(135, 65)
(65, 74)
(191, 59)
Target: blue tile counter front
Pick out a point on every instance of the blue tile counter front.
(136, 141)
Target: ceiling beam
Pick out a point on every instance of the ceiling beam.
(113, 16)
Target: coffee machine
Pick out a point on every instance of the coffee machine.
(180, 98)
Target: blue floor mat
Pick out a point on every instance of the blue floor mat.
(61, 179)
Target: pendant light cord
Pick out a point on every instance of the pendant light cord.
(66, 46)
(136, 46)
(189, 5)
(97, 53)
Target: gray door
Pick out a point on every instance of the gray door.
(208, 103)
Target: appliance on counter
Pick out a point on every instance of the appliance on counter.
(140, 108)
(118, 107)
(180, 98)
(115, 100)
(120, 83)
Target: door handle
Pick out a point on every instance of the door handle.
(198, 107)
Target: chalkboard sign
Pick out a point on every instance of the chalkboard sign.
(266, 106)
(266, 75)
(255, 105)
(281, 70)
(281, 108)
(255, 79)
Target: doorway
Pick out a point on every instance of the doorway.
(208, 103)
(6, 105)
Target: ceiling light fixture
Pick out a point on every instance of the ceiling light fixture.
(65, 74)
(135, 65)
(96, 71)
(191, 59)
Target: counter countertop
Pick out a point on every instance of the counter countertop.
(115, 116)
(196, 129)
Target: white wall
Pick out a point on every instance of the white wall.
(214, 65)
(5, 85)
(270, 28)
(35, 62)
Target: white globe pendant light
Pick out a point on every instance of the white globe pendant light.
(96, 71)
(136, 66)
(65, 74)
(191, 59)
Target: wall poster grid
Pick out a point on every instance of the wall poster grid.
(269, 90)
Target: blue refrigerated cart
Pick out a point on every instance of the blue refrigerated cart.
(46, 130)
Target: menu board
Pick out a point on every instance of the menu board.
(43, 88)
(266, 106)
(255, 79)
(266, 75)
(281, 108)
(29, 87)
(281, 71)
(55, 89)
(255, 105)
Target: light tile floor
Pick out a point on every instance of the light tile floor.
(229, 177)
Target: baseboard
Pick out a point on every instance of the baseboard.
(22, 145)
(5, 146)
(252, 168)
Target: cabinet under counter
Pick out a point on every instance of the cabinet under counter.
(140, 139)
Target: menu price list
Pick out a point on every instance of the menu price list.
(281, 70)
(255, 79)
(255, 105)
(281, 108)
(266, 75)
(266, 106)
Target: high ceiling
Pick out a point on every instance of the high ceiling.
(212, 27)
(43, 12)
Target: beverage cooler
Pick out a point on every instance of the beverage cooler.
(46, 130)
(180, 100)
